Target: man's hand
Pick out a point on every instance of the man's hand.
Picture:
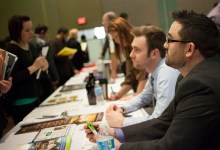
(89, 134)
(114, 116)
(92, 137)
(114, 107)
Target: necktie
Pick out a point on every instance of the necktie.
(152, 85)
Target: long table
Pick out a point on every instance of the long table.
(79, 107)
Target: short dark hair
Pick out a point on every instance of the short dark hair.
(155, 37)
(15, 26)
(83, 37)
(124, 15)
(62, 30)
(40, 28)
(200, 30)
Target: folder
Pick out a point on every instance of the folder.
(66, 51)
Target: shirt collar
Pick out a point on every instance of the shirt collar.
(162, 61)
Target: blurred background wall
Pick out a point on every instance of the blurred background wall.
(64, 13)
(57, 13)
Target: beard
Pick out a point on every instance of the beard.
(175, 62)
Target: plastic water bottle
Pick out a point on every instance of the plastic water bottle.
(99, 94)
(104, 140)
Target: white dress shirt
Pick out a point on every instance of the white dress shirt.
(111, 44)
(163, 91)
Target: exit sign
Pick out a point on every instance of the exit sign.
(82, 20)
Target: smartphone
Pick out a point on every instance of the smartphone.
(89, 124)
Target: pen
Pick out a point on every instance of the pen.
(91, 127)
(35, 136)
(47, 116)
(112, 91)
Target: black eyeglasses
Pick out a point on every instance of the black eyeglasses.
(171, 41)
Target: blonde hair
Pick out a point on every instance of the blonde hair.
(72, 34)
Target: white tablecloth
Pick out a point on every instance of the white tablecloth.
(81, 106)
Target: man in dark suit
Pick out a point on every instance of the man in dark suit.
(192, 120)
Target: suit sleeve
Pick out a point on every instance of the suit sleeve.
(191, 121)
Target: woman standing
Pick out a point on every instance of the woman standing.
(134, 78)
(25, 90)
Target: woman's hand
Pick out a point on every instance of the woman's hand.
(5, 85)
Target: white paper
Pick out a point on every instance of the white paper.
(44, 51)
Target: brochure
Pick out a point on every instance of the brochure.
(7, 62)
(56, 138)
(60, 100)
(54, 132)
(60, 143)
(79, 119)
(72, 87)
(11, 62)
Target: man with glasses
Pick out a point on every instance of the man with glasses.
(192, 119)
(171, 41)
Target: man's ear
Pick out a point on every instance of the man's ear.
(190, 49)
(154, 52)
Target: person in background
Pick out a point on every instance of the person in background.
(72, 42)
(109, 45)
(84, 47)
(4, 42)
(192, 119)
(135, 78)
(60, 40)
(148, 53)
(214, 14)
(64, 65)
(25, 90)
(50, 79)
(5, 86)
(124, 15)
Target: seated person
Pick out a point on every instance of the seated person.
(135, 79)
(147, 53)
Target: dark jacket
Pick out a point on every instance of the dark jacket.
(77, 59)
(64, 66)
(3, 120)
(190, 122)
(24, 85)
